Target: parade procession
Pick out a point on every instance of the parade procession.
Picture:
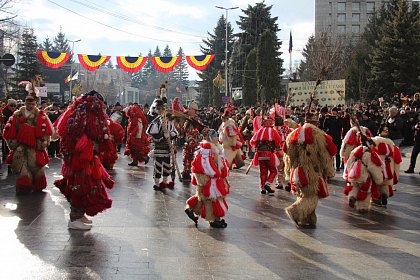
(220, 161)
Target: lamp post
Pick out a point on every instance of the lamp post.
(226, 46)
(71, 63)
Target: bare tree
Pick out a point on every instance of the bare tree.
(325, 57)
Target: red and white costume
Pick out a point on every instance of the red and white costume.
(309, 164)
(364, 174)
(210, 170)
(108, 158)
(27, 134)
(232, 141)
(84, 133)
(138, 144)
(391, 158)
(351, 140)
(267, 143)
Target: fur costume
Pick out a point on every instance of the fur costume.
(232, 142)
(352, 140)
(267, 143)
(210, 170)
(391, 157)
(138, 144)
(84, 133)
(28, 135)
(192, 139)
(363, 173)
(309, 164)
(108, 158)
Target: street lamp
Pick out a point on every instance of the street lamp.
(71, 63)
(226, 46)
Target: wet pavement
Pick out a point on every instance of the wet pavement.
(146, 234)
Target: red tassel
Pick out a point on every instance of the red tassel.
(9, 132)
(42, 158)
(352, 140)
(225, 203)
(9, 158)
(331, 147)
(194, 180)
(41, 183)
(358, 153)
(361, 195)
(203, 211)
(206, 188)
(295, 135)
(221, 186)
(387, 172)
(284, 148)
(309, 138)
(26, 135)
(82, 143)
(355, 170)
(192, 201)
(375, 191)
(366, 185)
(381, 148)
(302, 177)
(397, 155)
(23, 181)
(348, 189)
(87, 153)
(197, 166)
(217, 209)
(375, 158)
(322, 189)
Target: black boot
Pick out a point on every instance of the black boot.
(218, 224)
(191, 215)
(268, 189)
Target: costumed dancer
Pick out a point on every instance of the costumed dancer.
(363, 172)
(84, 133)
(391, 157)
(281, 129)
(116, 135)
(137, 145)
(353, 139)
(210, 170)
(309, 164)
(232, 141)
(27, 134)
(246, 129)
(266, 141)
(162, 93)
(163, 131)
(192, 129)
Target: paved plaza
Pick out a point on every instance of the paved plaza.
(146, 234)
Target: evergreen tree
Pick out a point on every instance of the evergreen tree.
(61, 44)
(268, 72)
(253, 24)
(109, 65)
(396, 56)
(180, 73)
(27, 65)
(139, 79)
(249, 89)
(214, 44)
(47, 45)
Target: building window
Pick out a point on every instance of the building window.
(355, 17)
(330, 6)
(355, 6)
(370, 6)
(341, 6)
(341, 17)
(341, 28)
(355, 28)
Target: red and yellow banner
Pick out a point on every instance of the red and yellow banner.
(165, 63)
(131, 64)
(92, 62)
(199, 62)
(52, 59)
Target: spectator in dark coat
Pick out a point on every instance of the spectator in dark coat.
(416, 149)
(392, 127)
(333, 127)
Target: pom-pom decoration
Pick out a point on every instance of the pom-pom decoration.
(131, 64)
(165, 63)
(92, 62)
(199, 62)
(52, 59)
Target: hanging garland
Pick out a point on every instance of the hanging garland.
(131, 64)
(165, 63)
(52, 59)
(92, 62)
(199, 62)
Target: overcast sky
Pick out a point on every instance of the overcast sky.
(131, 27)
